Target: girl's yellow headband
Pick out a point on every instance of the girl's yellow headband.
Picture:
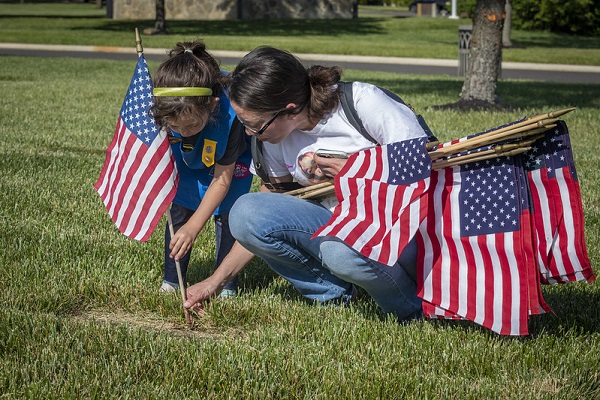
(182, 91)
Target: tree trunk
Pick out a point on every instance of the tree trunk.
(160, 24)
(485, 56)
(507, 25)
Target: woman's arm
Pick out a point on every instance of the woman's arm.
(183, 239)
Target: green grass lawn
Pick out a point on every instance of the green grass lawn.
(376, 35)
(82, 316)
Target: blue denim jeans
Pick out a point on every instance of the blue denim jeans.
(278, 227)
(180, 215)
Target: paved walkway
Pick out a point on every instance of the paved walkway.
(423, 66)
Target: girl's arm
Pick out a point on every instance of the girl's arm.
(183, 239)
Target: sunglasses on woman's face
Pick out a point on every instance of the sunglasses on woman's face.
(264, 127)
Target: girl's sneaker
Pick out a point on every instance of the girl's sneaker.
(227, 293)
(168, 287)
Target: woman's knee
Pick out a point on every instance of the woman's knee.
(244, 214)
(338, 257)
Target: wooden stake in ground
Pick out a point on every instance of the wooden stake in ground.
(186, 312)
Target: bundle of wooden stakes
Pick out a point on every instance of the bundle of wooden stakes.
(504, 141)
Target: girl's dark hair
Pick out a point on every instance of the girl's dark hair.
(183, 68)
(267, 79)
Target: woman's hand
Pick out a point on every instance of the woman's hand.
(330, 166)
(212, 286)
(200, 293)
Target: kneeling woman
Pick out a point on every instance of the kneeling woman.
(294, 112)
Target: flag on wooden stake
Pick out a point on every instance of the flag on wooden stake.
(139, 177)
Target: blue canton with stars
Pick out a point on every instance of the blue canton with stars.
(408, 161)
(553, 151)
(490, 197)
(137, 103)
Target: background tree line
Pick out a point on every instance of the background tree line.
(579, 17)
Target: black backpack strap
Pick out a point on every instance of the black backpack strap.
(430, 136)
(258, 159)
(348, 105)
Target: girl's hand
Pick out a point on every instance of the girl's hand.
(181, 242)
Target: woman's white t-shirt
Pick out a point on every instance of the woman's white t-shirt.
(386, 120)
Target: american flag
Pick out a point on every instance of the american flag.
(537, 304)
(139, 177)
(380, 193)
(472, 247)
(557, 210)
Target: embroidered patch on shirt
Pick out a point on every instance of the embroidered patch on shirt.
(208, 152)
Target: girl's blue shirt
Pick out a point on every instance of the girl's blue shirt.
(196, 166)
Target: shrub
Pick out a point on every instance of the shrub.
(467, 7)
(579, 17)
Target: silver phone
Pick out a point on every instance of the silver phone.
(331, 153)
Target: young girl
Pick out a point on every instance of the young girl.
(210, 150)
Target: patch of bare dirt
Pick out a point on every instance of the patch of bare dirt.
(153, 324)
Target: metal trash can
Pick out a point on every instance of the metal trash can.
(464, 44)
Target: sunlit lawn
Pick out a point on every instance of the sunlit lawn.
(82, 316)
